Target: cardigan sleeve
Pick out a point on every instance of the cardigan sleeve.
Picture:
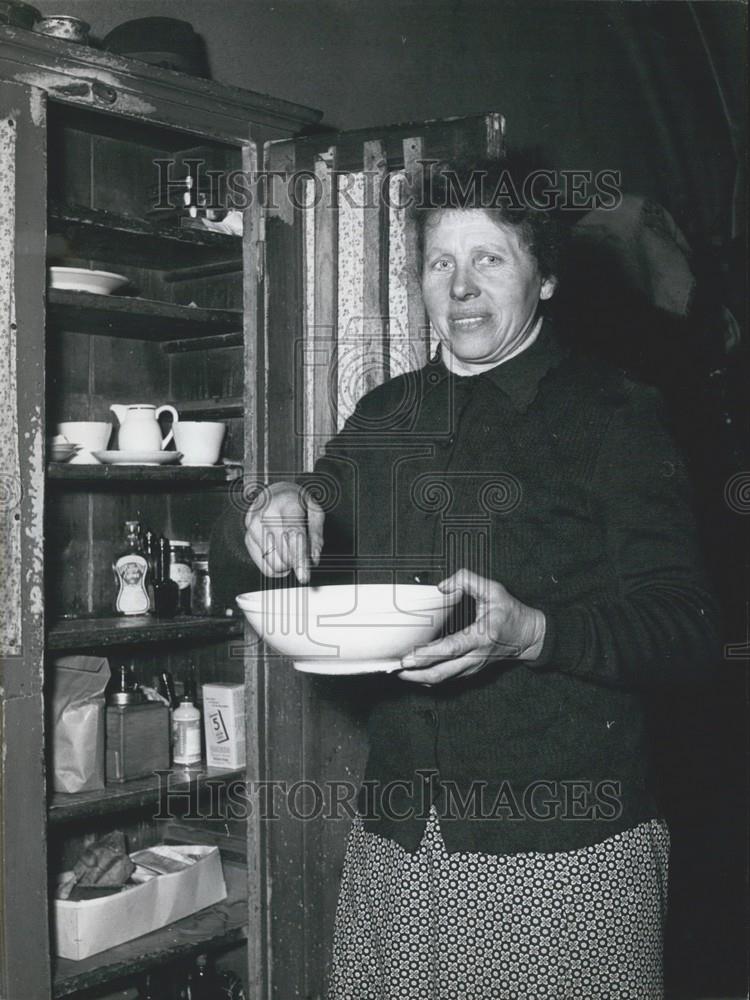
(661, 625)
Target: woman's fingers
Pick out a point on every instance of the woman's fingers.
(461, 666)
(284, 531)
(298, 553)
(315, 522)
(484, 591)
(450, 647)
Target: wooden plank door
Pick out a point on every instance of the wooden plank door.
(343, 313)
(24, 945)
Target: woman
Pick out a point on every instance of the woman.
(508, 843)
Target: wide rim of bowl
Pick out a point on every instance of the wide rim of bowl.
(414, 597)
(59, 269)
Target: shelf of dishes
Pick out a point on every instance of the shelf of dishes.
(135, 794)
(216, 926)
(140, 319)
(87, 633)
(94, 234)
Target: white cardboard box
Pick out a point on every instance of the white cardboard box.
(224, 722)
(92, 925)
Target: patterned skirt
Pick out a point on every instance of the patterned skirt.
(436, 926)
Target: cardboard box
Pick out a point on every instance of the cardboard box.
(224, 722)
(93, 925)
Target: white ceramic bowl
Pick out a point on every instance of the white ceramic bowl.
(80, 279)
(347, 629)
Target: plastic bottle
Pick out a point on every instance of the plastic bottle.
(186, 733)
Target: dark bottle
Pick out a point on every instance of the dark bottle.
(148, 991)
(205, 982)
(131, 574)
(167, 686)
(166, 593)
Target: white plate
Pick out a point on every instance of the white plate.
(80, 279)
(334, 667)
(138, 457)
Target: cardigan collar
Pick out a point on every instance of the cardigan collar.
(518, 378)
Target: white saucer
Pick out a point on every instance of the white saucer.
(138, 457)
(81, 279)
(335, 667)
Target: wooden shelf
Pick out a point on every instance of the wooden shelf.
(217, 474)
(222, 924)
(83, 633)
(106, 236)
(140, 319)
(221, 340)
(128, 795)
(217, 408)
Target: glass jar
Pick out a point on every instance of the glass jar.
(181, 571)
(201, 601)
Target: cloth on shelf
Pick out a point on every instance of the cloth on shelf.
(104, 865)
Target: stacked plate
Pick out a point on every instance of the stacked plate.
(62, 452)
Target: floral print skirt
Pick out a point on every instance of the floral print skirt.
(584, 924)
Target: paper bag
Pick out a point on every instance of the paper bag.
(78, 684)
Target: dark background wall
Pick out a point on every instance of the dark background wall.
(599, 84)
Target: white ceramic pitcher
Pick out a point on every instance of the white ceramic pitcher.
(139, 426)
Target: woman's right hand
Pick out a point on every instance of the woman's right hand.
(284, 531)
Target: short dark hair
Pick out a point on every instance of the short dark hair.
(496, 186)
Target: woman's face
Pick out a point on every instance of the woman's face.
(481, 288)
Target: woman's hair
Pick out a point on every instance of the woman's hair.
(505, 188)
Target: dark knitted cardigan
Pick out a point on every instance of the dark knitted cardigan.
(558, 477)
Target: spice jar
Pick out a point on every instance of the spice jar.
(201, 600)
(181, 571)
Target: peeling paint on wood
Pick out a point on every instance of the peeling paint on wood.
(34, 523)
(10, 480)
(84, 76)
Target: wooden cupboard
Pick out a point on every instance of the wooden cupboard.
(275, 332)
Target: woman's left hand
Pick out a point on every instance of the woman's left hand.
(504, 628)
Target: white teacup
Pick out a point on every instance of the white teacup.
(91, 435)
(198, 440)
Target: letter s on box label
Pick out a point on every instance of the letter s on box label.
(224, 722)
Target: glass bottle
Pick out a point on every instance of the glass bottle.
(130, 568)
(149, 550)
(181, 571)
(200, 599)
(166, 592)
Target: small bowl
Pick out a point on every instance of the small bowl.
(359, 629)
(63, 452)
(71, 29)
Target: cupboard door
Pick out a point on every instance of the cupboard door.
(344, 313)
(24, 974)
